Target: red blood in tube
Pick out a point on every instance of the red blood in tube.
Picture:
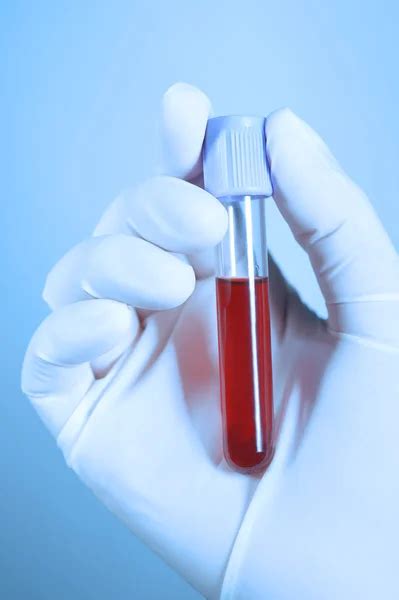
(245, 365)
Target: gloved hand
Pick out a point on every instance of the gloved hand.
(124, 373)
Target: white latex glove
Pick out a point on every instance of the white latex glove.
(124, 373)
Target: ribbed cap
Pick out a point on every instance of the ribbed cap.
(235, 157)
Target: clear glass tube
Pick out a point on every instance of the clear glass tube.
(245, 360)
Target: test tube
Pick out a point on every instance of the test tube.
(236, 172)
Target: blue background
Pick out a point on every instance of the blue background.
(79, 104)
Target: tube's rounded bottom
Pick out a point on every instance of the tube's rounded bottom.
(251, 465)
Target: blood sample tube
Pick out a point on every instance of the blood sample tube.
(236, 172)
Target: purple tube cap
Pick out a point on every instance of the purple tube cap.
(234, 157)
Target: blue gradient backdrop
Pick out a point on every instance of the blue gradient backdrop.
(81, 83)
